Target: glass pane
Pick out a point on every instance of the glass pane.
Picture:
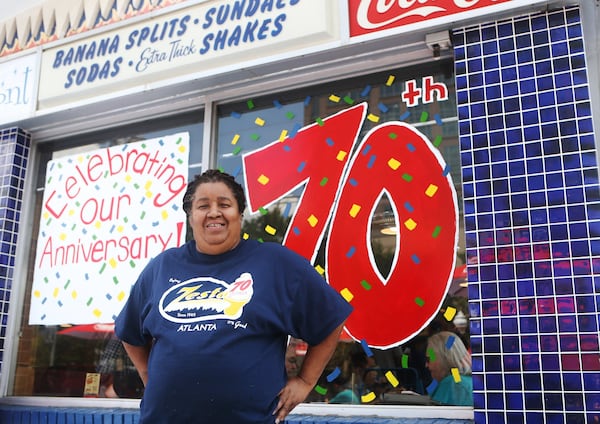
(86, 359)
(422, 97)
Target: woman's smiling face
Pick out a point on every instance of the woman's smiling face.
(215, 218)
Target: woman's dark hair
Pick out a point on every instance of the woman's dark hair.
(214, 176)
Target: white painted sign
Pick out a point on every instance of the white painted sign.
(105, 214)
(198, 39)
(18, 88)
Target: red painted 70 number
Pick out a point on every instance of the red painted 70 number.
(344, 182)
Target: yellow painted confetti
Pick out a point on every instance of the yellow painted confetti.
(128, 178)
(71, 212)
(449, 314)
(55, 292)
(394, 163)
(97, 312)
(313, 220)
(98, 224)
(182, 149)
(121, 296)
(246, 236)
(120, 229)
(341, 155)
(149, 194)
(164, 215)
(455, 375)
(148, 185)
(37, 293)
(320, 269)
(62, 236)
(334, 98)
(263, 179)
(347, 294)
(259, 121)
(390, 80)
(369, 397)
(270, 230)
(410, 224)
(354, 210)
(235, 139)
(373, 118)
(431, 190)
(283, 135)
(392, 378)
(112, 262)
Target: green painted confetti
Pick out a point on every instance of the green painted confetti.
(320, 122)
(431, 354)
(132, 263)
(237, 150)
(404, 361)
(436, 231)
(67, 284)
(290, 115)
(438, 141)
(323, 181)
(348, 100)
(263, 211)
(320, 390)
(103, 267)
(365, 285)
(250, 104)
(407, 177)
(255, 137)
(424, 116)
(419, 301)
(393, 136)
(115, 280)
(90, 300)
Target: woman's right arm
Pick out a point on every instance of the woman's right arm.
(139, 356)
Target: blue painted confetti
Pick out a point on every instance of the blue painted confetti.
(351, 252)
(366, 348)
(333, 375)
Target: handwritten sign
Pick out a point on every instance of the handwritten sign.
(344, 177)
(105, 214)
(193, 40)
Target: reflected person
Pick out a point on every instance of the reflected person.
(449, 363)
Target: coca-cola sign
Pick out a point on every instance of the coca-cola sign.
(367, 16)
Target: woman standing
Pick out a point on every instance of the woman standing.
(207, 323)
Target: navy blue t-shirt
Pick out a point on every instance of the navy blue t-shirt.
(219, 326)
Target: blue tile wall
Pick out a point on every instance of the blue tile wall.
(532, 218)
(14, 152)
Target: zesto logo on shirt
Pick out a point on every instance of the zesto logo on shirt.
(206, 298)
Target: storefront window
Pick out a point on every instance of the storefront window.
(422, 97)
(77, 359)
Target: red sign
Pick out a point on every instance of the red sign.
(344, 176)
(367, 16)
